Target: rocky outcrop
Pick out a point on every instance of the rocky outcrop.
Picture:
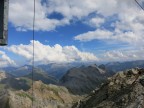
(120, 91)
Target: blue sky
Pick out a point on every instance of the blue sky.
(74, 31)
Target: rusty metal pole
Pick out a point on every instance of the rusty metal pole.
(4, 7)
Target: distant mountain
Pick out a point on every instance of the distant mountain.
(18, 71)
(118, 92)
(45, 96)
(21, 71)
(82, 80)
(58, 69)
(40, 75)
(26, 71)
(121, 66)
(8, 69)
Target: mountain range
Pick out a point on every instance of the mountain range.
(87, 86)
(121, 66)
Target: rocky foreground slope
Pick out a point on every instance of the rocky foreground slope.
(118, 92)
(17, 92)
(45, 96)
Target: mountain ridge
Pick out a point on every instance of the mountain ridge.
(119, 91)
(81, 80)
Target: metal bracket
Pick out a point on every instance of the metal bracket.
(4, 7)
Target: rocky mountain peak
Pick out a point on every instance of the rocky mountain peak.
(102, 66)
(93, 65)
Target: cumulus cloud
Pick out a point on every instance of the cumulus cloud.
(45, 54)
(91, 35)
(128, 37)
(21, 14)
(5, 60)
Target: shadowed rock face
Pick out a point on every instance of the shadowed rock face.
(118, 92)
(82, 80)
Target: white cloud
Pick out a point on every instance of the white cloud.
(5, 60)
(123, 55)
(95, 21)
(129, 37)
(45, 54)
(117, 36)
(21, 16)
(91, 35)
(128, 27)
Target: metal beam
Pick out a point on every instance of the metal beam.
(4, 6)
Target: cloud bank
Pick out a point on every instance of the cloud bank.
(124, 55)
(45, 54)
